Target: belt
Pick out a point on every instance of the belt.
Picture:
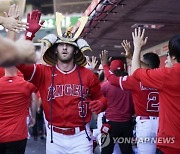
(147, 117)
(67, 131)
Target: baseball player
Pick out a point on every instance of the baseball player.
(146, 102)
(15, 98)
(119, 111)
(166, 80)
(69, 92)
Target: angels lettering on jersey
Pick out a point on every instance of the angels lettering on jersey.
(71, 90)
(67, 90)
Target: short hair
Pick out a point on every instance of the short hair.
(101, 76)
(174, 47)
(152, 60)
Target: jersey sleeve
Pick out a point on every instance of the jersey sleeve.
(32, 73)
(128, 83)
(124, 82)
(150, 77)
(114, 80)
(32, 88)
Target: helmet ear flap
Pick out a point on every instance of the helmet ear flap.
(76, 50)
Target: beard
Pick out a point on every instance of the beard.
(66, 59)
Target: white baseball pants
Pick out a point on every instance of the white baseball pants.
(146, 129)
(69, 144)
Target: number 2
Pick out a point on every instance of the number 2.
(153, 102)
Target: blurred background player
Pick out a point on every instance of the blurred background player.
(119, 112)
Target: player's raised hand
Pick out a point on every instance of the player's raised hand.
(11, 20)
(33, 19)
(13, 12)
(138, 38)
(127, 48)
(93, 62)
(104, 57)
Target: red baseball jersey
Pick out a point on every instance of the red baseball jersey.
(146, 100)
(15, 97)
(167, 81)
(66, 104)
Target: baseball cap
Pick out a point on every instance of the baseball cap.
(116, 65)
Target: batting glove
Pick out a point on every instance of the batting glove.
(34, 25)
(96, 106)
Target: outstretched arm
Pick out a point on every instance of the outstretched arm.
(13, 12)
(139, 41)
(113, 79)
(91, 64)
(127, 48)
(33, 109)
(128, 53)
(12, 53)
(12, 24)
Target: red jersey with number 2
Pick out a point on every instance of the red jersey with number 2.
(146, 100)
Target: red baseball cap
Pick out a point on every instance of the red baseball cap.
(116, 65)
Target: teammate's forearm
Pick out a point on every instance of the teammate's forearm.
(114, 80)
(8, 52)
(33, 105)
(136, 59)
(129, 55)
(11, 35)
(26, 51)
(106, 71)
(13, 53)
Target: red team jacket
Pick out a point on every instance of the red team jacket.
(66, 107)
(167, 81)
(120, 103)
(146, 100)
